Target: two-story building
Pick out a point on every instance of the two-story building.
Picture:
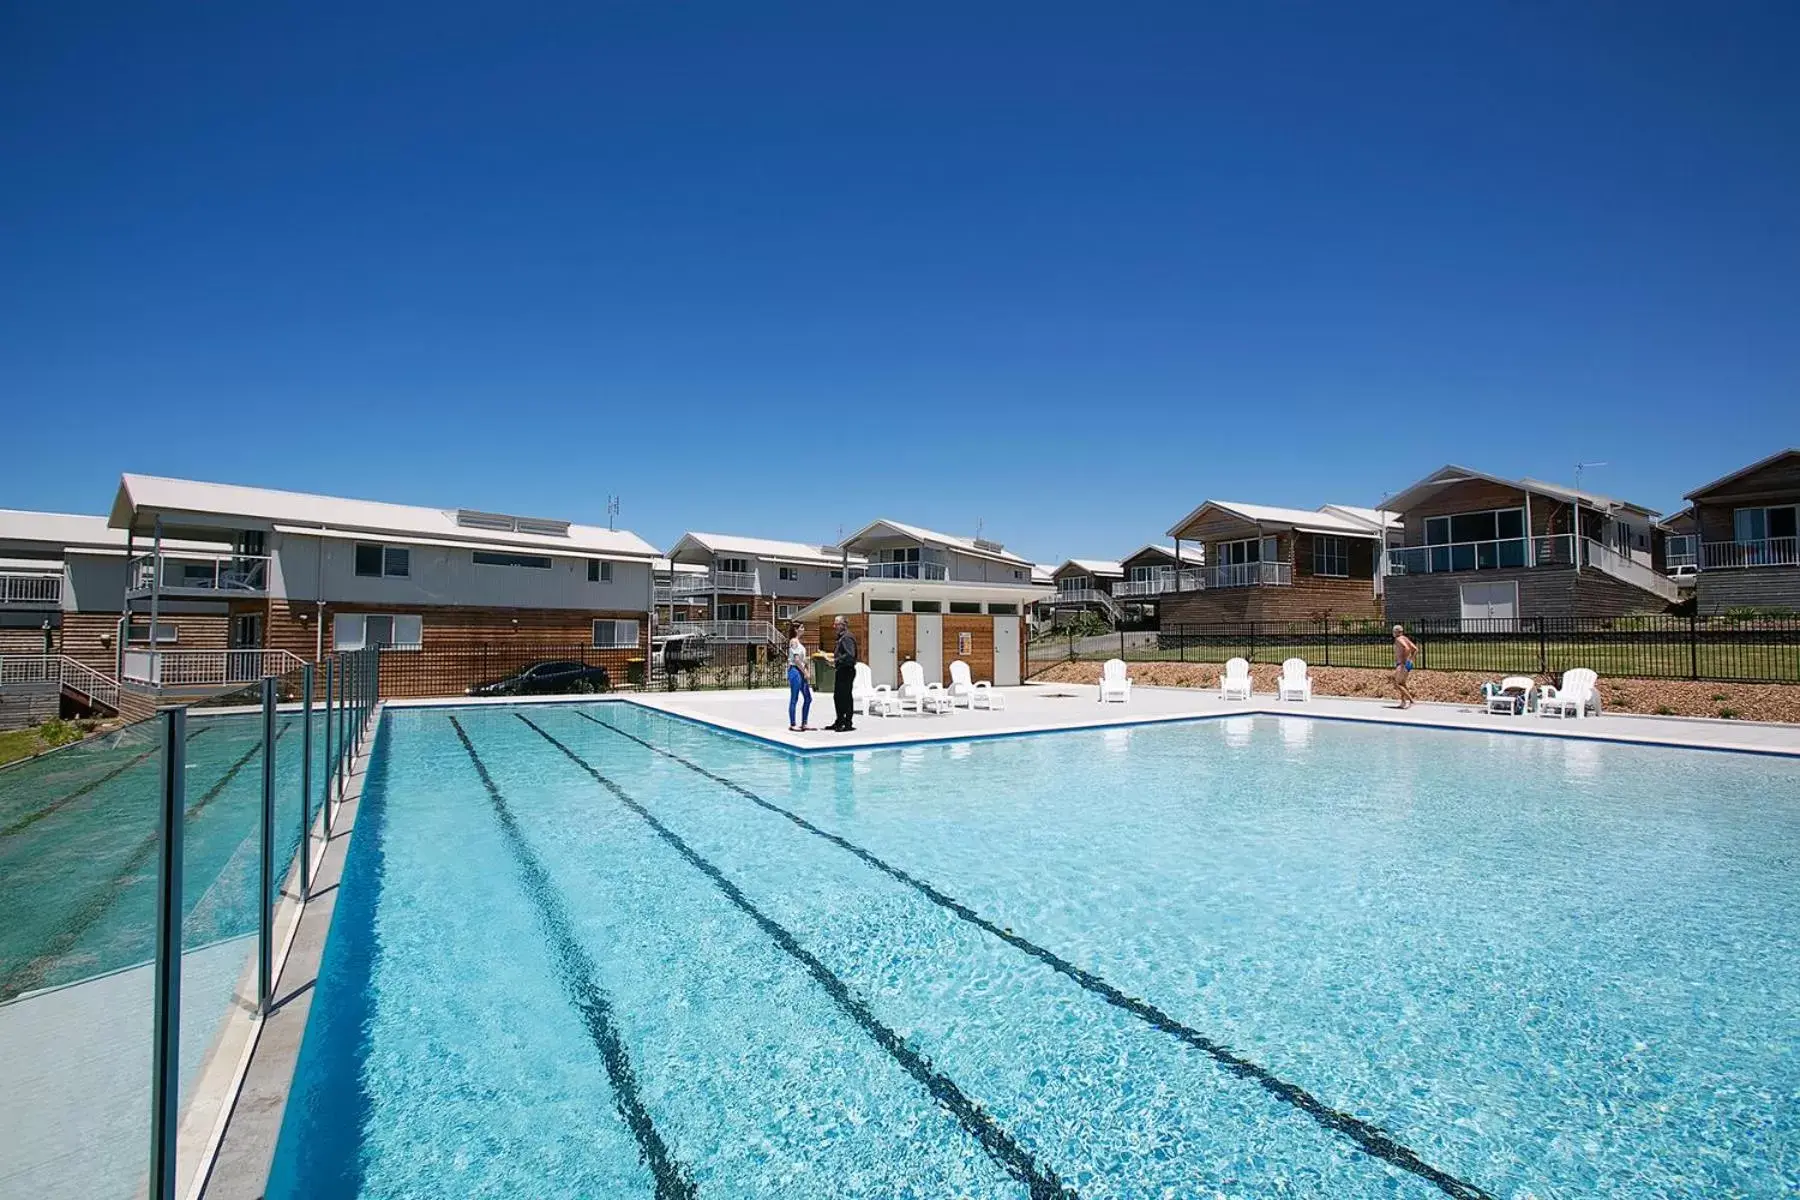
(1747, 526)
(1480, 548)
(1086, 585)
(932, 598)
(307, 574)
(1266, 563)
(731, 588)
(1155, 570)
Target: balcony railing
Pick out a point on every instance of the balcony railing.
(62, 670)
(1162, 584)
(205, 574)
(1557, 550)
(754, 632)
(907, 570)
(1763, 552)
(30, 590)
(205, 668)
(1256, 574)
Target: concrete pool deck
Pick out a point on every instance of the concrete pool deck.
(1045, 708)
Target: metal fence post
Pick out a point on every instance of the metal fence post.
(1326, 627)
(1543, 649)
(1181, 641)
(330, 748)
(1252, 655)
(265, 925)
(306, 752)
(165, 1082)
(1693, 646)
(1121, 641)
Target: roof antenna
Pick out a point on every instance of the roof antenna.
(612, 513)
(1580, 466)
(978, 524)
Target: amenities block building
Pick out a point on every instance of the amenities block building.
(931, 598)
(305, 575)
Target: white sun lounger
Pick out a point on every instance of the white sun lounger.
(1295, 683)
(1579, 692)
(965, 690)
(1234, 684)
(1114, 683)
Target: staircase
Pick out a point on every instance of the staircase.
(1629, 570)
(76, 680)
(1085, 597)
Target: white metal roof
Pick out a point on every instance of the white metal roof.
(77, 531)
(768, 548)
(917, 533)
(852, 597)
(1042, 572)
(1376, 517)
(1311, 520)
(142, 496)
(666, 566)
(1191, 552)
(1094, 566)
(1447, 475)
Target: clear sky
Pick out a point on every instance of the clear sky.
(1065, 270)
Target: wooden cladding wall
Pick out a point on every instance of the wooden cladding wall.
(89, 637)
(1778, 483)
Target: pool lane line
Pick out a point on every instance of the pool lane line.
(1041, 1182)
(1372, 1138)
(578, 973)
(99, 901)
(26, 822)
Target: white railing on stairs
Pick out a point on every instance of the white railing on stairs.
(64, 671)
(206, 668)
(1094, 596)
(1629, 570)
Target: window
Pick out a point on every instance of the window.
(787, 612)
(390, 631)
(884, 606)
(901, 554)
(928, 606)
(1248, 550)
(508, 558)
(789, 574)
(615, 635)
(599, 571)
(1477, 540)
(734, 612)
(139, 632)
(964, 606)
(374, 560)
(1072, 583)
(1331, 556)
(740, 566)
(1004, 610)
(837, 573)
(1018, 574)
(1763, 524)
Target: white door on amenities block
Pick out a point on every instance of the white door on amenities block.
(883, 638)
(1006, 651)
(929, 629)
(1485, 601)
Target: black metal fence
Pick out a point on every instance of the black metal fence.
(427, 671)
(1760, 649)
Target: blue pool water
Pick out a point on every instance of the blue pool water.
(593, 951)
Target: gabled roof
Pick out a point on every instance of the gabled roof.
(1268, 516)
(1741, 472)
(77, 531)
(1445, 476)
(1042, 572)
(1094, 566)
(931, 537)
(768, 548)
(1375, 518)
(1191, 552)
(853, 596)
(336, 516)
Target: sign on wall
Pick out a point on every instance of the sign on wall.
(965, 644)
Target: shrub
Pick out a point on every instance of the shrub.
(58, 732)
(1727, 714)
(1663, 710)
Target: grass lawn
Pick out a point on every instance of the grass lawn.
(1638, 657)
(23, 743)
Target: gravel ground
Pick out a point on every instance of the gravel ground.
(1663, 697)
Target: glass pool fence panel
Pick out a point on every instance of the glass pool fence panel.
(1719, 648)
(78, 859)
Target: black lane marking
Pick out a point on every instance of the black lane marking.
(1372, 1138)
(576, 970)
(30, 974)
(26, 822)
(1041, 1182)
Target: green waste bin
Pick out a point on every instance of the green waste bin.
(824, 675)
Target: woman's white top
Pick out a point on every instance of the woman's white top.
(797, 654)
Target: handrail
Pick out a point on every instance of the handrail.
(1750, 552)
(206, 668)
(1629, 570)
(907, 570)
(1092, 596)
(725, 631)
(1252, 574)
(219, 572)
(1163, 583)
(27, 587)
(715, 581)
(63, 671)
(1492, 554)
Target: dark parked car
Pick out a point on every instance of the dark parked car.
(548, 678)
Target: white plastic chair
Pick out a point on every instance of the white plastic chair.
(1234, 684)
(916, 694)
(1513, 696)
(863, 690)
(1580, 691)
(1295, 683)
(1114, 683)
(964, 690)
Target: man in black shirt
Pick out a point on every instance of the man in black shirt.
(843, 688)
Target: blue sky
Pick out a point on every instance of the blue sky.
(1062, 270)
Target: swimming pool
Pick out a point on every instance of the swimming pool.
(592, 950)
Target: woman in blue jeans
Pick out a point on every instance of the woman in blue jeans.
(799, 680)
